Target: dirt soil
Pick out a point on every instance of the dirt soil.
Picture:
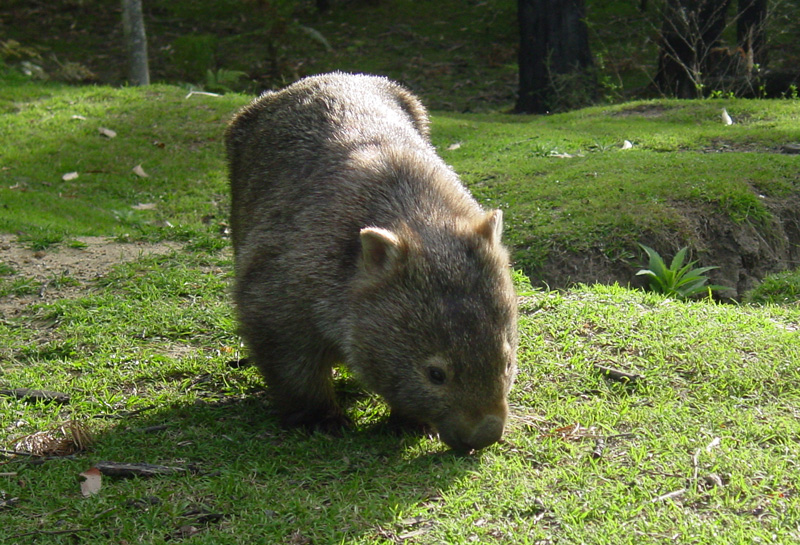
(83, 265)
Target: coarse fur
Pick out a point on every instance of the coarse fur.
(354, 243)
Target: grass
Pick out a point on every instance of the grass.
(185, 180)
(713, 416)
(779, 289)
(599, 198)
(702, 447)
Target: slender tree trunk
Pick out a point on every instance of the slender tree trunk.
(135, 42)
(555, 62)
(751, 34)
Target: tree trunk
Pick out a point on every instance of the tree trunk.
(555, 62)
(689, 32)
(751, 33)
(135, 42)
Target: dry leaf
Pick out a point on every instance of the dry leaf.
(726, 118)
(69, 176)
(144, 206)
(454, 146)
(79, 117)
(108, 133)
(139, 171)
(91, 483)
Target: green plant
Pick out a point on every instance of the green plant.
(720, 93)
(677, 280)
(780, 288)
(42, 241)
(19, 286)
(222, 80)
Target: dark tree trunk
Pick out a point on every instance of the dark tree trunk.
(689, 32)
(751, 33)
(555, 62)
(135, 42)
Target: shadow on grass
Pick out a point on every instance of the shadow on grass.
(249, 477)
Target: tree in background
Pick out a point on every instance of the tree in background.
(751, 32)
(690, 57)
(690, 30)
(135, 42)
(556, 71)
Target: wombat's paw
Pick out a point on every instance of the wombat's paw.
(331, 421)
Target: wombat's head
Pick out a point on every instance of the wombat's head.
(434, 330)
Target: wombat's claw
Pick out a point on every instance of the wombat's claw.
(331, 422)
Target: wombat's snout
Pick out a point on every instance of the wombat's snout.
(488, 431)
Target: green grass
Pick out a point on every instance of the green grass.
(607, 198)
(714, 413)
(144, 352)
(177, 141)
(780, 289)
(600, 199)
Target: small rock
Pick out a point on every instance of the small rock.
(791, 148)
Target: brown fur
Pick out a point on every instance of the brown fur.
(354, 243)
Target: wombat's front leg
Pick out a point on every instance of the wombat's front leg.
(303, 394)
(403, 425)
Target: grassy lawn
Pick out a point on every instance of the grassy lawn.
(701, 445)
(564, 182)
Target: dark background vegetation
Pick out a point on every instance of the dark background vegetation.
(471, 48)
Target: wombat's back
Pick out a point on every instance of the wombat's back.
(287, 135)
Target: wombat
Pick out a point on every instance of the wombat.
(354, 243)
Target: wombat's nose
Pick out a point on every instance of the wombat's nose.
(489, 431)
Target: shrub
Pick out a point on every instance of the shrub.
(677, 280)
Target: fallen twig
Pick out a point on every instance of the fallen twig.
(616, 374)
(153, 429)
(124, 414)
(117, 469)
(32, 458)
(27, 394)
(204, 93)
(669, 496)
(19, 453)
(619, 436)
(599, 446)
(11, 502)
(51, 532)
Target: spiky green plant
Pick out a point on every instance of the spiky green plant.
(677, 280)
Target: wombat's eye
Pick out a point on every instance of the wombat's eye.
(436, 375)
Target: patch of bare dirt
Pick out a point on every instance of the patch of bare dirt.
(642, 110)
(81, 266)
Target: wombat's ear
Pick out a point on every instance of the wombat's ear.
(381, 249)
(491, 226)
